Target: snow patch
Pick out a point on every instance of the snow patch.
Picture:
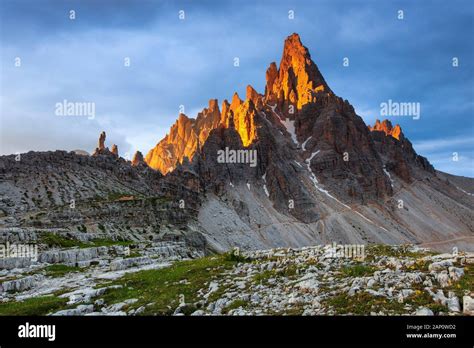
(289, 125)
(266, 190)
(303, 146)
(316, 183)
(264, 177)
(298, 163)
(290, 128)
(389, 176)
(248, 186)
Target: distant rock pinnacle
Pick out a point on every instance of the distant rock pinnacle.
(101, 145)
(386, 127)
(115, 150)
(137, 159)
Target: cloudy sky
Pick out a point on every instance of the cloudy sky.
(186, 62)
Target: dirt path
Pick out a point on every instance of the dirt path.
(446, 241)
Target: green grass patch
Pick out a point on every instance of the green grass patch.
(464, 284)
(362, 304)
(422, 299)
(374, 251)
(234, 305)
(33, 306)
(233, 256)
(162, 288)
(59, 270)
(358, 270)
(289, 272)
(56, 240)
(262, 277)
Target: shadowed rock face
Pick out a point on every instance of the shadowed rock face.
(138, 159)
(397, 152)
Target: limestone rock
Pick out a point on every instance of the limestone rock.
(21, 284)
(423, 311)
(468, 305)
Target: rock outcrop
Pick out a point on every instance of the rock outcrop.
(101, 144)
(187, 135)
(114, 150)
(297, 81)
(138, 159)
(386, 127)
(101, 149)
(397, 153)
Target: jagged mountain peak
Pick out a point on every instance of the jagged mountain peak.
(213, 105)
(294, 54)
(327, 124)
(297, 80)
(182, 118)
(254, 96)
(236, 101)
(386, 127)
(138, 159)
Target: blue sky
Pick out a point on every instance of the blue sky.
(187, 62)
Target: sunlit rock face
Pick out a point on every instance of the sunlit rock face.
(243, 114)
(298, 79)
(114, 150)
(184, 139)
(386, 127)
(188, 134)
(181, 141)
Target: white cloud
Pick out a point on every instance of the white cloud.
(453, 143)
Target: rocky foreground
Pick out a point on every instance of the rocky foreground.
(167, 279)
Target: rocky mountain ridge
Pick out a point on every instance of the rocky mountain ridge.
(321, 175)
